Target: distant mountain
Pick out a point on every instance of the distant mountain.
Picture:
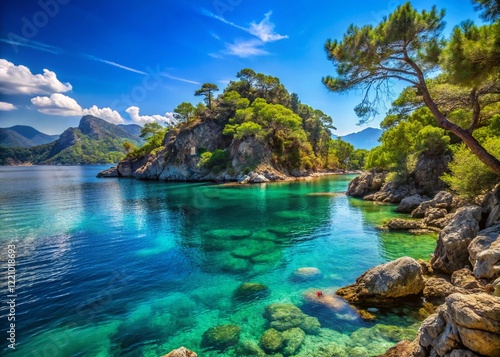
(94, 141)
(24, 136)
(364, 139)
(132, 129)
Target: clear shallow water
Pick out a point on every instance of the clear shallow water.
(110, 267)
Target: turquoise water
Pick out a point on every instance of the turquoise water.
(109, 267)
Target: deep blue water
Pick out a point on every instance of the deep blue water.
(109, 267)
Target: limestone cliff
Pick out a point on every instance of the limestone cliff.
(179, 158)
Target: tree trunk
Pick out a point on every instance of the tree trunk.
(489, 160)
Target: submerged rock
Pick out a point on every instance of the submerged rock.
(386, 284)
(283, 317)
(272, 340)
(250, 349)
(221, 337)
(292, 340)
(181, 352)
(307, 273)
(251, 291)
(451, 251)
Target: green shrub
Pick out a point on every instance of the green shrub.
(469, 176)
(215, 161)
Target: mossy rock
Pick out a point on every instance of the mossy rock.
(326, 350)
(230, 264)
(395, 333)
(358, 352)
(310, 325)
(227, 233)
(283, 317)
(267, 257)
(272, 340)
(221, 337)
(293, 340)
(249, 349)
(251, 291)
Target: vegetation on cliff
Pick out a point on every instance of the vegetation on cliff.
(452, 103)
(256, 119)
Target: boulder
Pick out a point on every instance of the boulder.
(366, 183)
(307, 273)
(437, 289)
(392, 192)
(386, 284)
(451, 251)
(428, 170)
(111, 172)
(465, 279)
(221, 337)
(491, 207)
(181, 352)
(272, 340)
(283, 317)
(436, 217)
(484, 253)
(466, 325)
(408, 204)
(404, 224)
(251, 291)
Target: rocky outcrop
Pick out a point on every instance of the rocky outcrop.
(408, 204)
(442, 200)
(366, 183)
(451, 251)
(427, 173)
(181, 352)
(491, 207)
(404, 224)
(484, 253)
(466, 325)
(462, 281)
(386, 284)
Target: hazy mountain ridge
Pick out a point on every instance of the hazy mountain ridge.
(93, 141)
(24, 136)
(364, 139)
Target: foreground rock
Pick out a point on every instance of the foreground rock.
(451, 251)
(464, 323)
(386, 284)
(366, 183)
(181, 352)
(484, 253)
(408, 204)
(491, 207)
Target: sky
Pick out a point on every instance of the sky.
(135, 61)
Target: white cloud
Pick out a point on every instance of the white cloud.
(143, 119)
(57, 104)
(19, 80)
(7, 106)
(245, 48)
(107, 114)
(264, 30)
(62, 105)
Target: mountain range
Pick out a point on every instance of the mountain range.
(24, 136)
(364, 139)
(93, 141)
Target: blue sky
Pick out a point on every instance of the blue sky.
(135, 61)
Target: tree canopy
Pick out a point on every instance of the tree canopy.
(407, 46)
(207, 90)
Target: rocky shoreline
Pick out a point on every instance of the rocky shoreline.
(462, 279)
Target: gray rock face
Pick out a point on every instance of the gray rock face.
(466, 325)
(366, 183)
(385, 284)
(484, 253)
(451, 251)
(392, 192)
(111, 172)
(442, 200)
(408, 204)
(428, 171)
(491, 207)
